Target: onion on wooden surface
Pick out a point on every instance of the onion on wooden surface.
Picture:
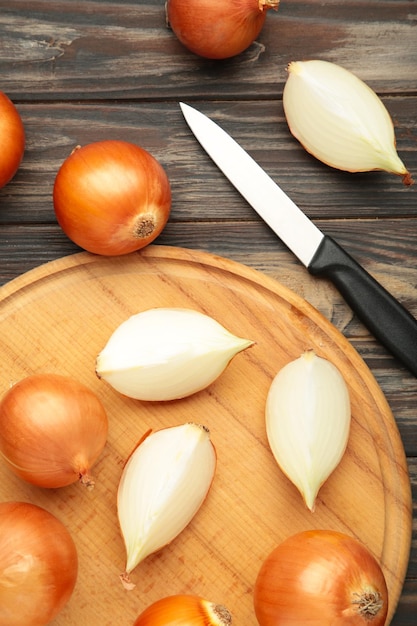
(339, 119)
(112, 197)
(321, 578)
(308, 420)
(12, 139)
(38, 565)
(215, 29)
(163, 485)
(52, 430)
(184, 610)
(167, 353)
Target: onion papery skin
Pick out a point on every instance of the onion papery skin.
(216, 29)
(319, 578)
(52, 430)
(38, 565)
(111, 197)
(12, 139)
(184, 610)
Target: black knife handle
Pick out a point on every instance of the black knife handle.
(385, 317)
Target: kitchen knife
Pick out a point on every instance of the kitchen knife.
(384, 316)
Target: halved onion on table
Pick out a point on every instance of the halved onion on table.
(308, 420)
(163, 485)
(167, 353)
(340, 120)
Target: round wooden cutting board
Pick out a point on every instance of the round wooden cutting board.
(59, 316)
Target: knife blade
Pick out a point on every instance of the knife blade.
(386, 318)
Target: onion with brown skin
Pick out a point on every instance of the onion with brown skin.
(184, 610)
(216, 29)
(12, 139)
(52, 430)
(111, 197)
(321, 578)
(38, 565)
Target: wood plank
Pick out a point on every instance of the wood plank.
(378, 245)
(412, 567)
(53, 130)
(406, 610)
(83, 50)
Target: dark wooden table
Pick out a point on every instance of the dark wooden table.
(84, 71)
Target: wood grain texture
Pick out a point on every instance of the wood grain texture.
(80, 300)
(55, 129)
(65, 50)
(82, 71)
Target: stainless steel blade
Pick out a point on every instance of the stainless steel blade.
(291, 225)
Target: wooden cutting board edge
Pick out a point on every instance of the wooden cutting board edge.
(399, 484)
